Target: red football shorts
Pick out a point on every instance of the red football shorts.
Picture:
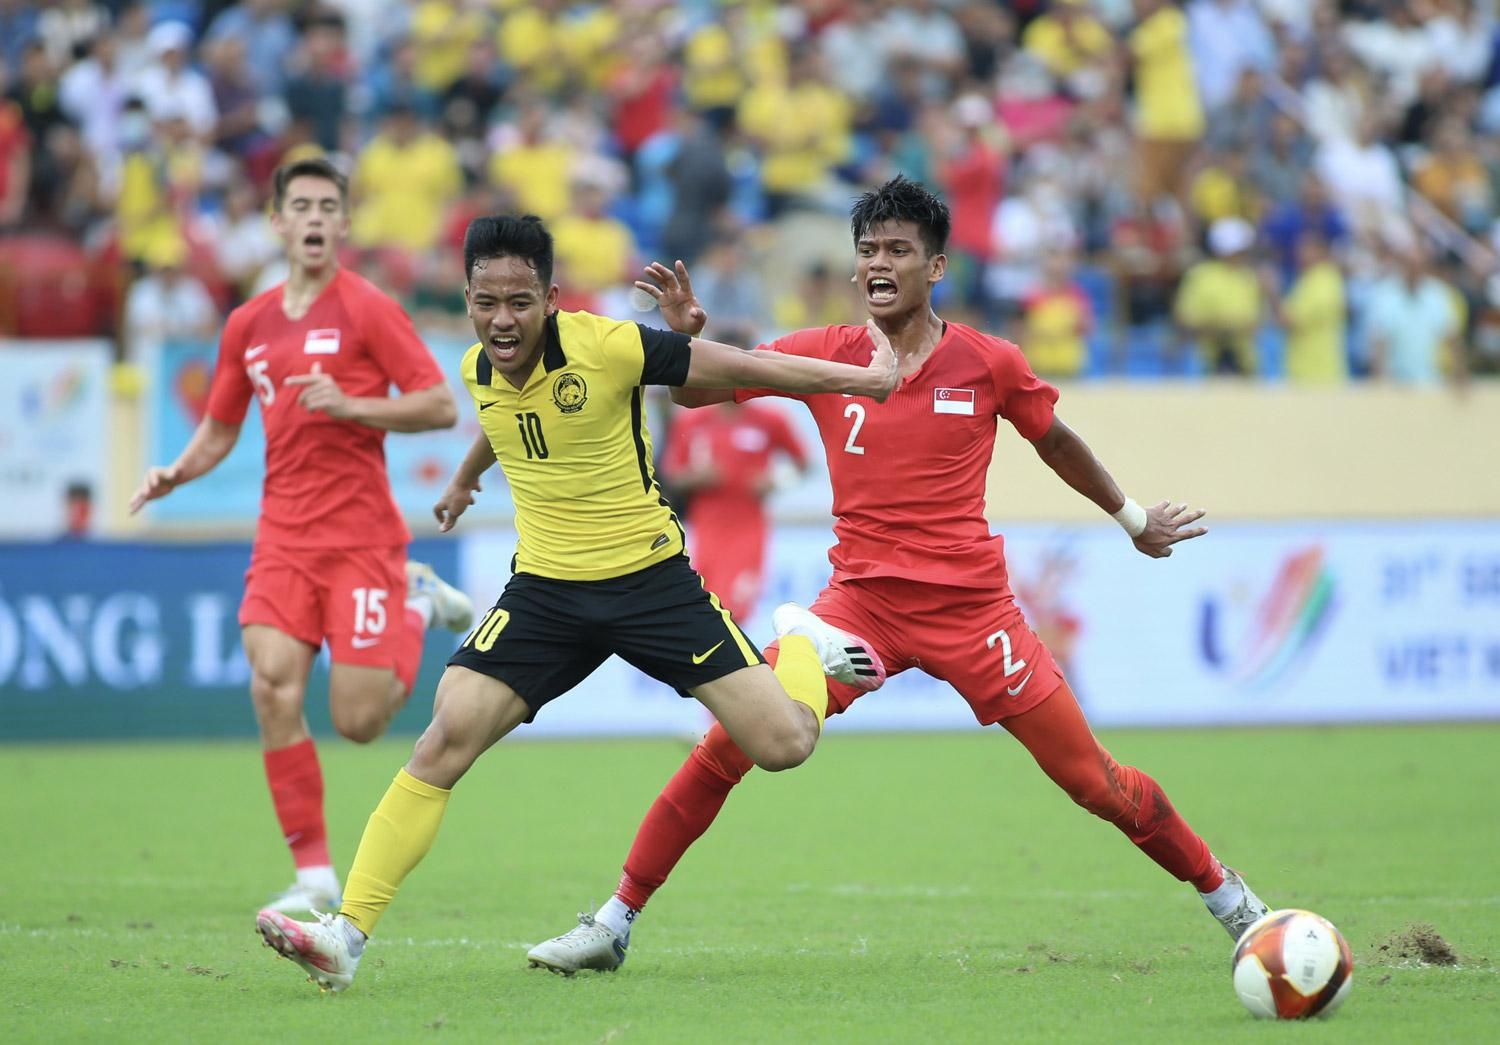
(975, 639)
(731, 564)
(355, 598)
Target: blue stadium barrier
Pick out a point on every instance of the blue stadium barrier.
(105, 640)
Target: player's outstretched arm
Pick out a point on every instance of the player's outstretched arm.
(673, 290)
(1153, 530)
(459, 494)
(716, 365)
(693, 397)
(211, 442)
(420, 410)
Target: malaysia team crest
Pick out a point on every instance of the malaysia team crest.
(570, 392)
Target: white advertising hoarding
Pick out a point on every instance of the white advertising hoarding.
(1308, 622)
(54, 416)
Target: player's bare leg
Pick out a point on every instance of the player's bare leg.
(471, 712)
(752, 705)
(697, 792)
(279, 666)
(822, 655)
(1058, 737)
(678, 817)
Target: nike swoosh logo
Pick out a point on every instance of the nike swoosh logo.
(251, 353)
(486, 406)
(1013, 690)
(359, 643)
(699, 658)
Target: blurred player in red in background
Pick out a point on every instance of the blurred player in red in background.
(916, 571)
(723, 458)
(320, 352)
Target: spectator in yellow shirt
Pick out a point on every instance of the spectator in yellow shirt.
(1057, 316)
(1454, 178)
(549, 44)
(532, 166)
(816, 299)
(1073, 45)
(1220, 302)
(597, 251)
(1316, 314)
(1169, 118)
(1223, 188)
(442, 32)
(801, 127)
(403, 182)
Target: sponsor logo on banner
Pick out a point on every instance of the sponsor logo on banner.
(321, 342)
(1254, 635)
(953, 401)
(54, 439)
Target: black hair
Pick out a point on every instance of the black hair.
(902, 199)
(312, 167)
(509, 236)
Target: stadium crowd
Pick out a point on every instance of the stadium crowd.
(1297, 189)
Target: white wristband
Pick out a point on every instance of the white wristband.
(1131, 517)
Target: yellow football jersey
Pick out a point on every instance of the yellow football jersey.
(575, 448)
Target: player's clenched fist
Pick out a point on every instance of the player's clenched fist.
(159, 482)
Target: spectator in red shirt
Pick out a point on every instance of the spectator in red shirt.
(723, 459)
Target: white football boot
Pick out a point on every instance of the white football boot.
(588, 945)
(846, 658)
(1250, 909)
(451, 608)
(328, 949)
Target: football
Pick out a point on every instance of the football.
(1292, 965)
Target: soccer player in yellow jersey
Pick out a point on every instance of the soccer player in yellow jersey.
(600, 567)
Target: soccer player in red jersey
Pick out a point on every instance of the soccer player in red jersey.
(320, 352)
(722, 456)
(916, 571)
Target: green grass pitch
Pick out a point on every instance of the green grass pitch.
(929, 888)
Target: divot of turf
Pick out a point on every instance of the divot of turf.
(1419, 943)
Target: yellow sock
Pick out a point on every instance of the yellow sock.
(397, 836)
(801, 674)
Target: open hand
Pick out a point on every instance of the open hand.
(674, 295)
(320, 392)
(1167, 524)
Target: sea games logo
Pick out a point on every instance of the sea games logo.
(1255, 636)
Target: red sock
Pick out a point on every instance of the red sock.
(296, 782)
(1059, 738)
(408, 643)
(1153, 824)
(681, 813)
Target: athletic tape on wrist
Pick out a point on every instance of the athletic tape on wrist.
(1131, 517)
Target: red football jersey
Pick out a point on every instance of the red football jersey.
(739, 444)
(909, 474)
(326, 483)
